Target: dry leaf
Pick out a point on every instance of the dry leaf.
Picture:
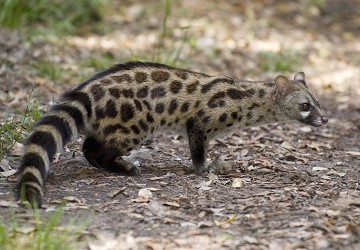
(354, 153)
(18, 149)
(4, 165)
(237, 183)
(204, 186)
(228, 221)
(144, 195)
(319, 169)
(8, 173)
(287, 145)
(171, 204)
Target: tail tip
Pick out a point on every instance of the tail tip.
(30, 194)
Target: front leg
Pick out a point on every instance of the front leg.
(198, 143)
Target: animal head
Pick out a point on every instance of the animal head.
(297, 102)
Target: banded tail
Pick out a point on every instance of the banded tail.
(58, 127)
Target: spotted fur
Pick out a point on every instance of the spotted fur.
(118, 108)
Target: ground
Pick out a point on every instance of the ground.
(282, 186)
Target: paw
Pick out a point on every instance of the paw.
(202, 171)
(221, 167)
(127, 167)
(134, 170)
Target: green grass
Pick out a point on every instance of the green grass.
(41, 232)
(101, 62)
(15, 127)
(285, 60)
(50, 70)
(170, 54)
(57, 16)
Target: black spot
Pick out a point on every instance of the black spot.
(147, 104)
(122, 78)
(207, 87)
(142, 92)
(217, 100)
(208, 131)
(172, 107)
(135, 129)
(97, 92)
(162, 122)
(111, 108)
(138, 105)
(229, 125)
(106, 81)
(124, 143)
(158, 92)
(262, 93)
(223, 117)
(181, 74)
(185, 107)
(44, 140)
(143, 125)
(239, 118)
(249, 115)
(175, 86)
(127, 111)
(206, 119)
(159, 108)
(197, 103)
(177, 120)
(60, 124)
(110, 129)
(240, 94)
(96, 126)
(100, 113)
(74, 112)
(234, 115)
(149, 118)
(191, 88)
(140, 77)
(269, 84)
(260, 119)
(128, 93)
(200, 113)
(114, 92)
(81, 98)
(35, 160)
(170, 124)
(254, 105)
(136, 141)
(160, 76)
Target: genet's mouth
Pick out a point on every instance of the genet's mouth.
(314, 123)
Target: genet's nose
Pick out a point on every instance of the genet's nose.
(324, 119)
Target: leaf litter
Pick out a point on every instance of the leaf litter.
(271, 187)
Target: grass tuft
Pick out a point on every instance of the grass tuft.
(41, 232)
(56, 15)
(14, 128)
(285, 60)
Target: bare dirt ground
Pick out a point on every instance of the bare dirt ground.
(284, 186)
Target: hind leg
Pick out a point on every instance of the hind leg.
(101, 155)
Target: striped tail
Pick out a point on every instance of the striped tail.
(49, 136)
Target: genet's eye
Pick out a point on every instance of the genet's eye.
(305, 106)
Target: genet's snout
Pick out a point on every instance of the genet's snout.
(324, 119)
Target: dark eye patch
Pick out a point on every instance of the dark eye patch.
(305, 106)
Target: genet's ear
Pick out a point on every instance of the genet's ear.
(300, 77)
(283, 85)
